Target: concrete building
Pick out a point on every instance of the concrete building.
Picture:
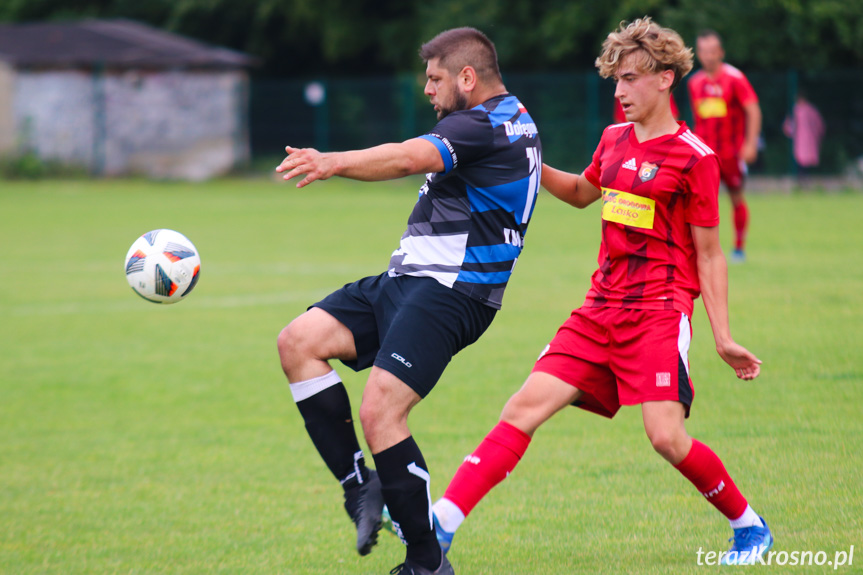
(120, 98)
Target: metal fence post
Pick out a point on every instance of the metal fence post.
(100, 123)
(793, 82)
(240, 131)
(408, 108)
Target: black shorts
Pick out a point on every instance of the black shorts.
(409, 326)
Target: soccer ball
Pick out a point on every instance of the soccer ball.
(163, 266)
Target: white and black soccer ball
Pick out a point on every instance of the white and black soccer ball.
(163, 266)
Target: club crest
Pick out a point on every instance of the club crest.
(647, 171)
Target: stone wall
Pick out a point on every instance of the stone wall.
(7, 111)
(54, 115)
(162, 124)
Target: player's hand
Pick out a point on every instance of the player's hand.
(745, 364)
(749, 153)
(308, 161)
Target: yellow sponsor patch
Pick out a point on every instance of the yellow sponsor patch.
(627, 209)
(712, 108)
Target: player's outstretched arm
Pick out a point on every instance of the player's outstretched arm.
(713, 277)
(384, 162)
(570, 188)
(749, 151)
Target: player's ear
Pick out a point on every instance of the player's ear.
(467, 78)
(667, 79)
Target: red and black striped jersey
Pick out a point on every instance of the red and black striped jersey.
(652, 192)
(717, 105)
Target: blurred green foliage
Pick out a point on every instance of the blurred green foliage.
(29, 166)
(382, 36)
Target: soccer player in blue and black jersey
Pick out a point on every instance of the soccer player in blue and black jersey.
(444, 284)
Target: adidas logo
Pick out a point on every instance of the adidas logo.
(630, 165)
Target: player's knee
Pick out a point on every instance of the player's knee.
(369, 417)
(661, 443)
(293, 342)
(736, 196)
(523, 412)
(286, 342)
(376, 418)
(384, 411)
(515, 407)
(668, 444)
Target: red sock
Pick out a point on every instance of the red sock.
(741, 222)
(488, 465)
(705, 470)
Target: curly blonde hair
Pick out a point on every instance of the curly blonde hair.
(657, 48)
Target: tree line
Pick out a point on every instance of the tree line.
(313, 37)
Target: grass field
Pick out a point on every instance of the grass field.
(137, 438)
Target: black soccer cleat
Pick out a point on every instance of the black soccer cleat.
(364, 504)
(408, 568)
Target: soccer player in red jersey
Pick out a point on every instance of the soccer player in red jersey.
(728, 119)
(628, 344)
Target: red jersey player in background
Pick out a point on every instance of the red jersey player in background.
(728, 119)
(628, 343)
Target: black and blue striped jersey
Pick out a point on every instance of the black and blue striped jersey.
(467, 228)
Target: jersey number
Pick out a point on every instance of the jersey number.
(535, 158)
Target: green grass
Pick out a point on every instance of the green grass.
(137, 438)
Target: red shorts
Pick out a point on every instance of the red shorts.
(733, 173)
(622, 357)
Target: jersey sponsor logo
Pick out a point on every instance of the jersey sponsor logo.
(663, 379)
(399, 358)
(518, 129)
(708, 108)
(627, 209)
(513, 237)
(713, 89)
(630, 165)
(647, 171)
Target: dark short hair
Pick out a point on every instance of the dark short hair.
(462, 47)
(709, 33)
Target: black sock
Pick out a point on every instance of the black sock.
(405, 483)
(328, 420)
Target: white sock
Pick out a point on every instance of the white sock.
(748, 519)
(448, 515)
(305, 389)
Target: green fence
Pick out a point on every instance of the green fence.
(570, 109)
